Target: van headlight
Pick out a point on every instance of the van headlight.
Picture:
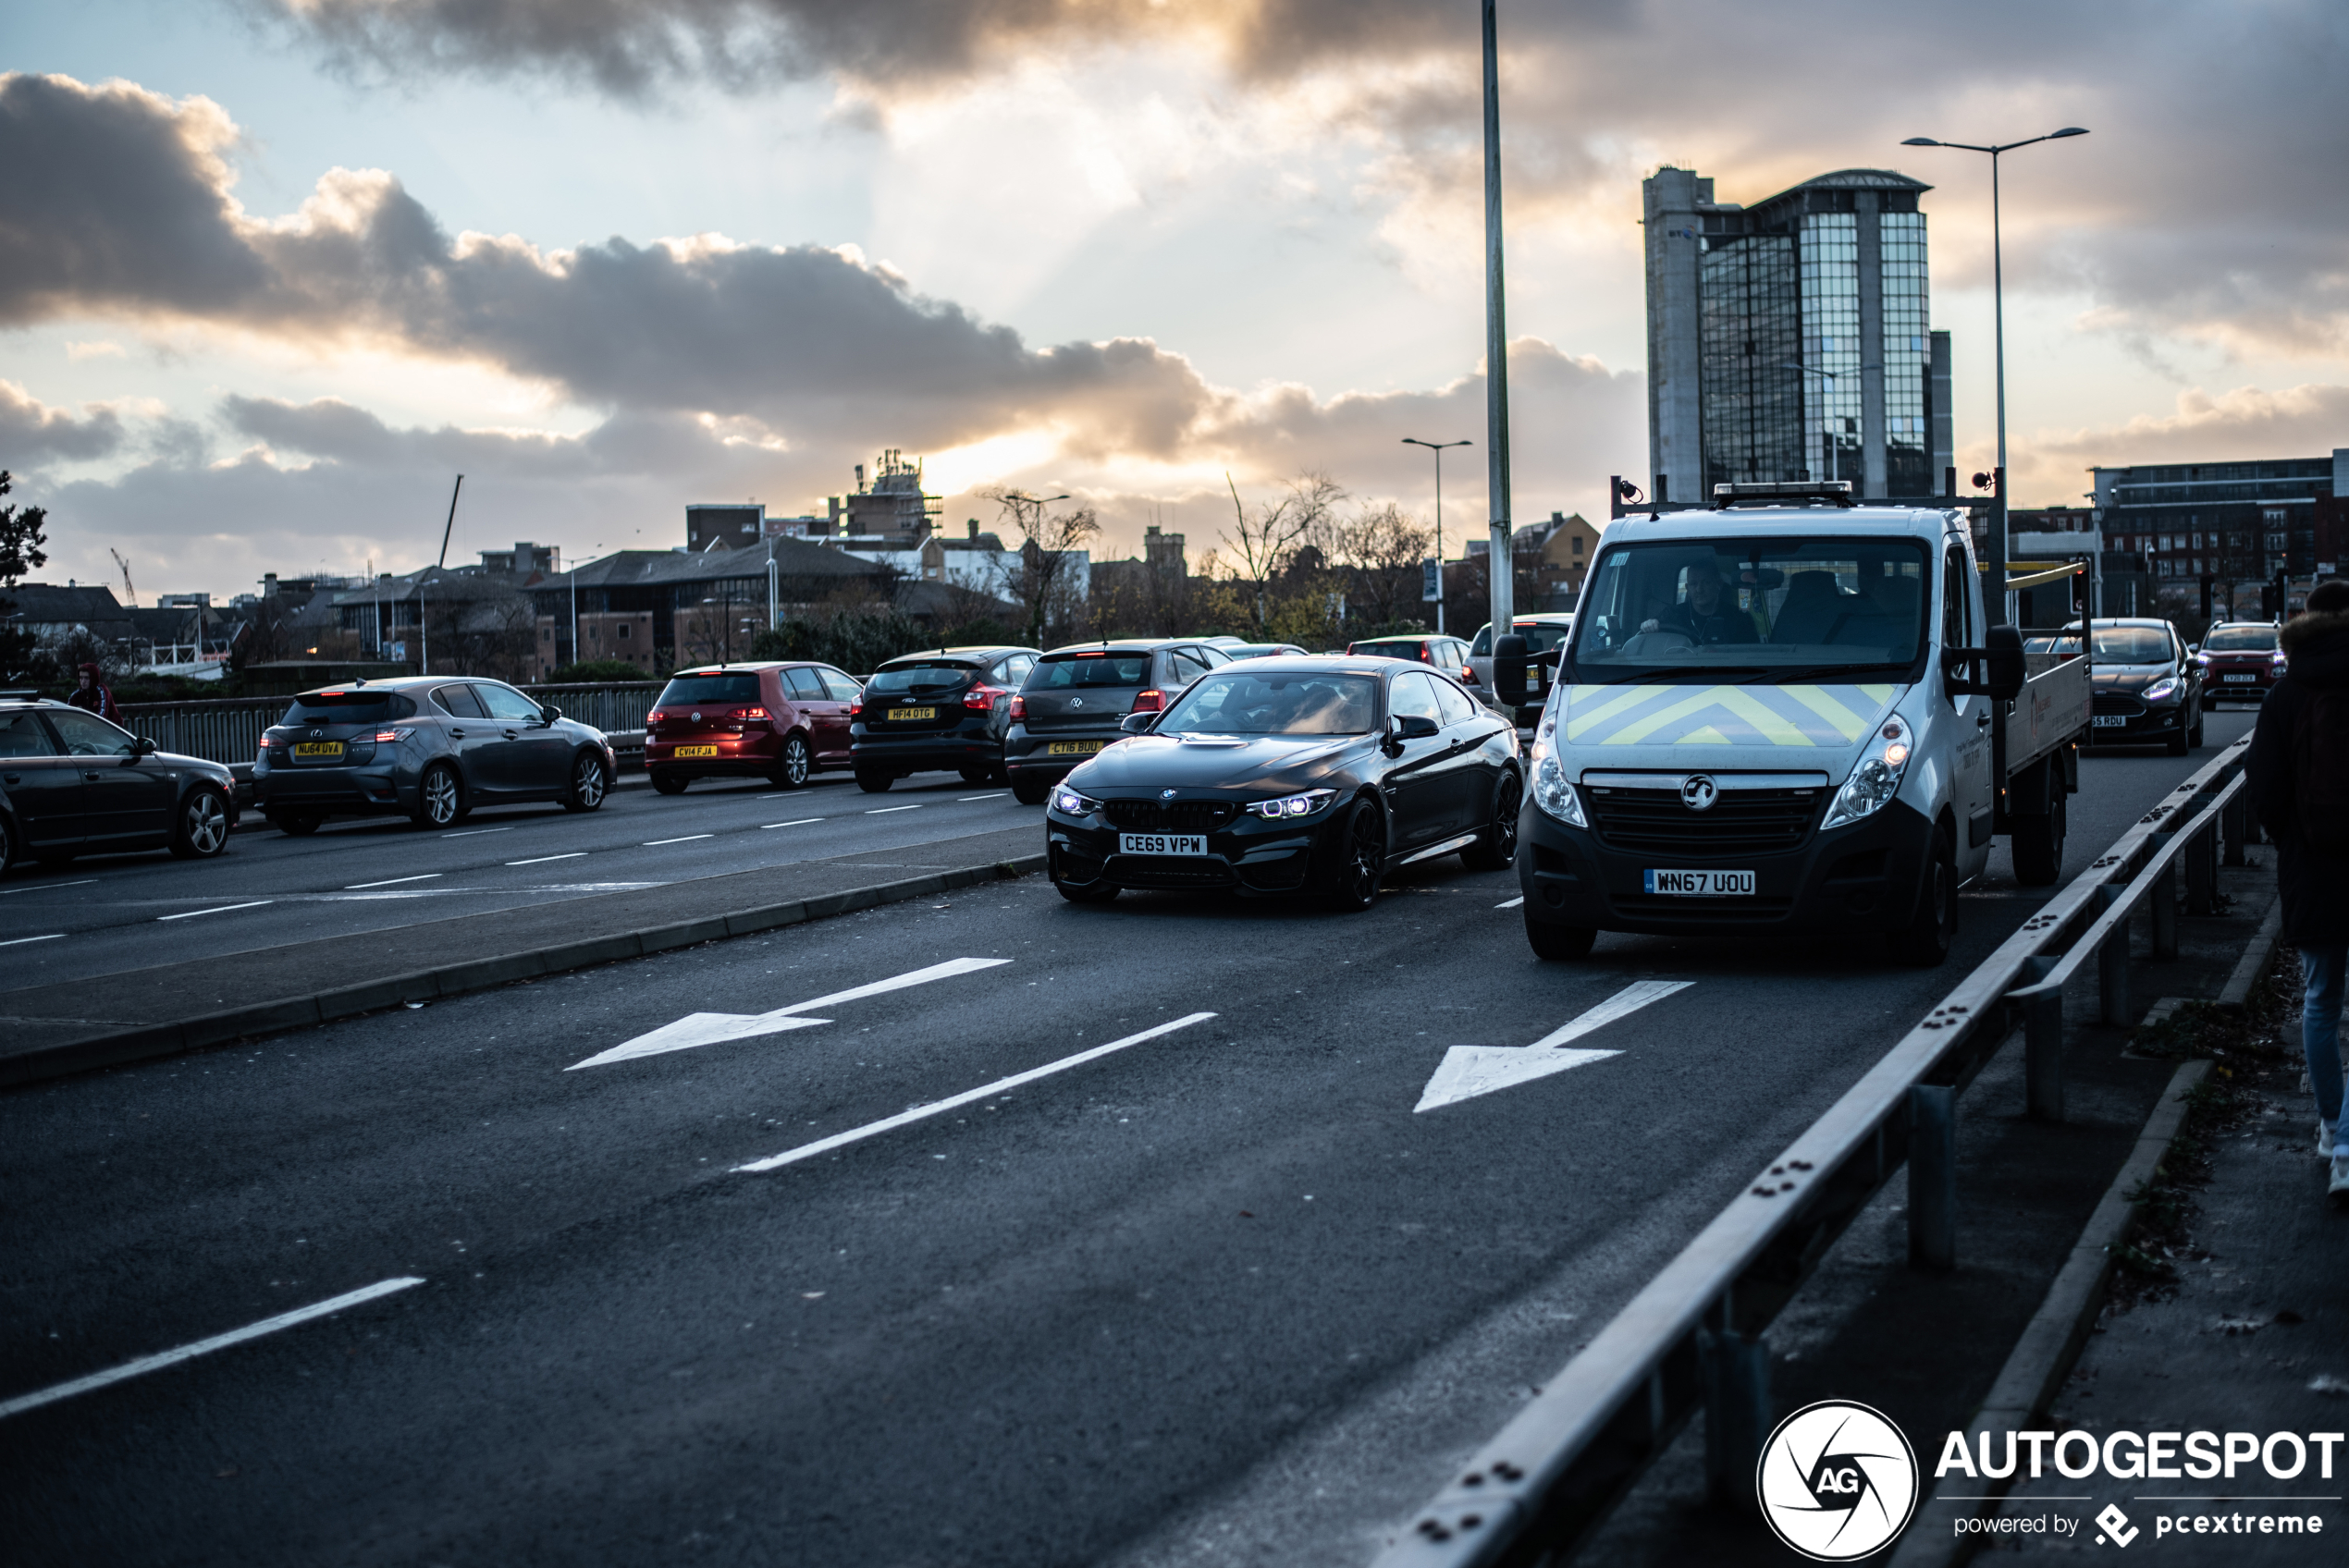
(1875, 778)
(1554, 794)
(1304, 804)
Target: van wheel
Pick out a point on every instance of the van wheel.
(200, 831)
(1558, 944)
(440, 797)
(874, 780)
(1362, 861)
(1934, 928)
(1496, 848)
(2037, 844)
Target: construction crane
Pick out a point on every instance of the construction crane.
(131, 594)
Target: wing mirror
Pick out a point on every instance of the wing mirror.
(1509, 669)
(1138, 723)
(548, 713)
(142, 747)
(2001, 653)
(1405, 727)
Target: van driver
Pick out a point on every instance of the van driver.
(1709, 613)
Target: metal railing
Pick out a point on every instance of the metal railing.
(229, 729)
(1691, 1339)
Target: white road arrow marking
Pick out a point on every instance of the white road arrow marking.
(710, 1028)
(1471, 1070)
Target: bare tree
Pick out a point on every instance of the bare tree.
(1043, 583)
(1383, 547)
(1267, 538)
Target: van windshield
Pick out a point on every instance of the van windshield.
(1753, 609)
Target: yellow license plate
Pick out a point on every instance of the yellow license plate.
(318, 748)
(1073, 748)
(696, 752)
(913, 713)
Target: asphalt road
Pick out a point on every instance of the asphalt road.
(108, 914)
(1050, 1323)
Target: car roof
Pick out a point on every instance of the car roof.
(1120, 644)
(981, 651)
(1342, 664)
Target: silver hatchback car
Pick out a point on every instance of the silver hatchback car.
(429, 748)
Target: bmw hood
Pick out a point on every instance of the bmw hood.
(1211, 762)
(1757, 727)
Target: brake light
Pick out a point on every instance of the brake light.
(983, 697)
(387, 737)
(751, 715)
(1019, 707)
(855, 706)
(1467, 674)
(1150, 700)
(271, 743)
(654, 716)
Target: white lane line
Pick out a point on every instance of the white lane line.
(800, 823)
(884, 811)
(838, 1140)
(224, 909)
(996, 796)
(1512, 903)
(542, 860)
(44, 887)
(21, 941)
(656, 843)
(202, 1347)
(391, 881)
(709, 1028)
(1470, 1070)
(476, 832)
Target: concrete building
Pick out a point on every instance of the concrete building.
(1791, 339)
(2240, 522)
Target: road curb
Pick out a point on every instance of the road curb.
(2253, 961)
(146, 1041)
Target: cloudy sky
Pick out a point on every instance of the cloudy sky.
(271, 272)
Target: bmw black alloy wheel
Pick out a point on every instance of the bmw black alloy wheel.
(1362, 859)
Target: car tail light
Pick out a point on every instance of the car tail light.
(983, 697)
(1468, 674)
(655, 718)
(1019, 707)
(751, 715)
(271, 743)
(855, 706)
(387, 737)
(1150, 700)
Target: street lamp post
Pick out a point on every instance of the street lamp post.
(1437, 448)
(1998, 318)
(1500, 565)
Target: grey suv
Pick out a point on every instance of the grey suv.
(427, 747)
(1070, 706)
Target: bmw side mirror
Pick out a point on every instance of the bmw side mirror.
(1138, 723)
(1415, 726)
(1509, 669)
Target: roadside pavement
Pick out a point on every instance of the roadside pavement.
(2232, 1316)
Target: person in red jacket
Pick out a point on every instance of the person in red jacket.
(92, 693)
(2299, 783)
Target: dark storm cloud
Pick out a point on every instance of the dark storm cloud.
(813, 341)
(31, 432)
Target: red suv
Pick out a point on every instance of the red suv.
(2240, 660)
(779, 722)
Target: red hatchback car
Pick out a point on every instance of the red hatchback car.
(2240, 661)
(779, 722)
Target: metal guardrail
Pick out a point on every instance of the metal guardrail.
(227, 730)
(1691, 1339)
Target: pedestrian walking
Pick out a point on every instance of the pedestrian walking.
(2299, 783)
(91, 692)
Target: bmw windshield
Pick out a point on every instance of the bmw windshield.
(1275, 702)
(1779, 608)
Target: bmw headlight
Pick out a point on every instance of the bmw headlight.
(1069, 802)
(1304, 804)
(2164, 690)
(1876, 779)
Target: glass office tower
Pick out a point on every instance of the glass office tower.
(1792, 339)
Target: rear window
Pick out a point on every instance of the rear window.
(710, 691)
(1543, 637)
(2241, 640)
(1389, 650)
(348, 707)
(2131, 644)
(923, 675)
(1076, 673)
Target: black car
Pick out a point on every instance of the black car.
(1076, 698)
(73, 784)
(1301, 774)
(426, 747)
(2148, 687)
(947, 709)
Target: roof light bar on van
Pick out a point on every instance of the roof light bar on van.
(1783, 493)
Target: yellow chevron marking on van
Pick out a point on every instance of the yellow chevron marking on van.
(1642, 727)
(1708, 736)
(1578, 721)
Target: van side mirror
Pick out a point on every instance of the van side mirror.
(2004, 667)
(1509, 669)
(1138, 723)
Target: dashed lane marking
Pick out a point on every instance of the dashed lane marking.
(998, 796)
(801, 822)
(224, 909)
(656, 843)
(391, 881)
(884, 811)
(872, 1129)
(541, 860)
(1511, 903)
(203, 1347)
(21, 941)
(476, 832)
(44, 887)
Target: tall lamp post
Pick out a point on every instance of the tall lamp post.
(1500, 565)
(1437, 448)
(1999, 315)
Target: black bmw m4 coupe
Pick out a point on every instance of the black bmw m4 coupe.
(1308, 775)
